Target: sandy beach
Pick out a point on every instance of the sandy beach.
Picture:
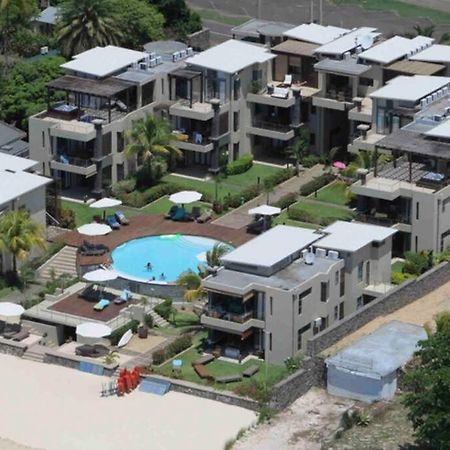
(48, 407)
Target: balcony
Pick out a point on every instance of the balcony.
(337, 100)
(79, 166)
(229, 322)
(193, 141)
(195, 110)
(367, 142)
(271, 129)
(362, 112)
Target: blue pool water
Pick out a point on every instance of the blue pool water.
(169, 254)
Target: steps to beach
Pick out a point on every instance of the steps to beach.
(35, 353)
(63, 262)
(158, 320)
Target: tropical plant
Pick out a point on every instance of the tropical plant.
(367, 159)
(427, 31)
(111, 358)
(298, 150)
(85, 24)
(268, 188)
(428, 398)
(150, 137)
(19, 234)
(213, 256)
(193, 284)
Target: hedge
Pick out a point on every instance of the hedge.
(236, 200)
(302, 216)
(316, 184)
(286, 200)
(241, 165)
(177, 346)
(117, 334)
(164, 309)
(279, 176)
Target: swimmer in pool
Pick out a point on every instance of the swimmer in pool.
(162, 277)
(149, 266)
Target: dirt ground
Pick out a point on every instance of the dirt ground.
(418, 312)
(302, 426)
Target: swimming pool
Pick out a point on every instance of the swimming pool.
(168, 254)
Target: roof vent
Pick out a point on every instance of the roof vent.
(333, 254)
(310, 258)
(321, 253)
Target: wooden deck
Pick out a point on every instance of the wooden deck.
(151, 225)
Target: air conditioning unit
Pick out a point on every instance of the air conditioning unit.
(152, 62)
(423, 103)
(437, 117)
(152, 55)
(321, 253)
(333, 254)
(135, 65)
(190, 51)
(429, 99)
(304, 252)
(447, 110)
(44, 50)
(318, 322)
(158, 60)
(143, 65)
(183, 53)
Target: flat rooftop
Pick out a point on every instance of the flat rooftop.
(288, 278)
(348, 41)
(272, 246)
(408, 67)
(103, 61)
(296, 48)
(346, 66)
(351, 236)
(436, 53)
(314, 33)
(257, 27)
(395, 48)
(15, 163)
(412, 89)
(383, 351)
(231, 56)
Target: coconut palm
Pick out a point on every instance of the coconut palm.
(150, 137)
(367, 159)
(298, 150)
(193, 284)
(85, 24)
(213, 256)
(111, 358)
(19, 234)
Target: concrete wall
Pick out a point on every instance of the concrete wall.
(402, 295)
(55, 333)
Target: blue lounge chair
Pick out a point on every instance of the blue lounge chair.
(101, 305)
(120, 216)
(112, 222)
(124, 297)
(180, 214)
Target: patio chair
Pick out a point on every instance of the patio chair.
(121, 218)
(173, 209)
(280, 92)
(180, 215)
(91, 292)
(287, 80)
(205, 217)
(124, 297)
(112, 222)
(196, 212)
(250, 371)
(102, 304)
(256, 227)
(121, 106)
(229, 378)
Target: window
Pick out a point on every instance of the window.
(304, 294)
(360, 271)
(271, 305)
(236, 121)
(341, 310)
(417, 210)
(300, 332)
(367, 273)
(300, 306)
(336, 277)
(336, 312)
(416, 243)
(235, 151)
(324, 291)
(312, 139)
(162, 86)
(270, 341)
(43, 139)
(359, 302)
(342, 285)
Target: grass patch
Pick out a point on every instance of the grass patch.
(185, 319)
(283, 219)
(402, 8)
(163, 204)
(6, 291)
(333, 193)
(216, 16)
(324, 213)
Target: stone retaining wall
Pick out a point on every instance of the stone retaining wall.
(12, 348)
(229, 398)
(401, 296)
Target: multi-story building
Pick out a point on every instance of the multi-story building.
(289, 283)
(411, 192)
(21, 188)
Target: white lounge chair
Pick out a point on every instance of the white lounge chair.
(287, 80)
(280, 92)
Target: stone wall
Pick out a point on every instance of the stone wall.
(400, 296)
(73, 361)
(229, 398)
(12, 348)
(288, 390)
(200, 40)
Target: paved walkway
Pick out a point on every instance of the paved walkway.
(239, 217)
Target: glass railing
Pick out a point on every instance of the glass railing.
(271, 125)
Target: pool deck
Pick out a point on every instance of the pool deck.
(153, 225)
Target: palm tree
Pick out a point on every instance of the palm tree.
(298, 150)
(85, 24)
(150, 137)
(268, 188)
(428, 31)
(367, 159)
(111, 358)
(19, 234)
(193, 284)
(213, 256)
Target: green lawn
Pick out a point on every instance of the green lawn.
(333, 193)
(401, 8)
(220, 368)
(325, 212)
(216, 16)
(7, 290)
(230, 185)
(163, 204)
(283, 219)
(185, 319)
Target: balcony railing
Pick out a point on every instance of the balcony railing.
(340, 96)
(193, 137)
(271, 125)
(74, 161)
(219, 313)
(381, 219)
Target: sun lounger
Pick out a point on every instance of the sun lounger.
(91, 292)
(287, 80)
(229, 378)
(205, 217)
(250, 371)
(180, 215)
(280, 92)
(21, 335)
(203, 360)
(196, 212)
(173, 209)
(256, 227)
(11, 331)
(112, 222)
(202, 372)
(124, 297)
(120, 216)
(102, 304)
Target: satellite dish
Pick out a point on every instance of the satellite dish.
(310, 258)
(365, 41)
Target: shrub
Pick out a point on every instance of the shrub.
(158, 357)
(417, 263)
(28, 43)
(123, 187)
(164, 309)
(293, 364)
(257, 390)
(134, 198)
(310, 160)
(178, 345)
(236, 200)
(286, 200)
(316, 184)
(150, 175)
(67, 218)
(302, 216)
(241, 165)
(279, 176)
(148, 320)
(399, 277)
(117, 334)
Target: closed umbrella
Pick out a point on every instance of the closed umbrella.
(105, 203)
(185, 197)
(93, 330)
(10, 312)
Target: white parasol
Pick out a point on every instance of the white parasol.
(265, 210)
(94, 229)
(10, 311)
(93, 330)
(105, 203)
(185, 197)
(100, 275)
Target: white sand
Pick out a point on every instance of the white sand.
(53, 408)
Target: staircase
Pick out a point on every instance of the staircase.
(35, 353)
(63, 262)
(158, 320)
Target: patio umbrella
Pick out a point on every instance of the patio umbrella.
(265, 210)
(339, 165)
(94, 229)
(104, 203)
(10, 312)
(185, 197)
(93, 330)
(101, 275)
